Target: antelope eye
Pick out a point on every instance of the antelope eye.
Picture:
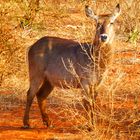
(99, 26)
(111, 23)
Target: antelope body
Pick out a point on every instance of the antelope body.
(52, 59)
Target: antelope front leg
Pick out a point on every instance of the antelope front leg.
(89, 101)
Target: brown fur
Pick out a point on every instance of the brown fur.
(58, 62)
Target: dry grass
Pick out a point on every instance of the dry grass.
(117, 108)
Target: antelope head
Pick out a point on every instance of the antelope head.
(104, 25)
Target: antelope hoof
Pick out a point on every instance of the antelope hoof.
(47, 123)
(26, 127)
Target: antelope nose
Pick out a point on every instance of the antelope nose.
(103, 37)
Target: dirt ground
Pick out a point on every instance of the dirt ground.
(11, 122)
(62, 127)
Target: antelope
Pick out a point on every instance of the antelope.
(50, 59)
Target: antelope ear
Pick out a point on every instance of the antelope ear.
(116, 13)
(90, 13)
